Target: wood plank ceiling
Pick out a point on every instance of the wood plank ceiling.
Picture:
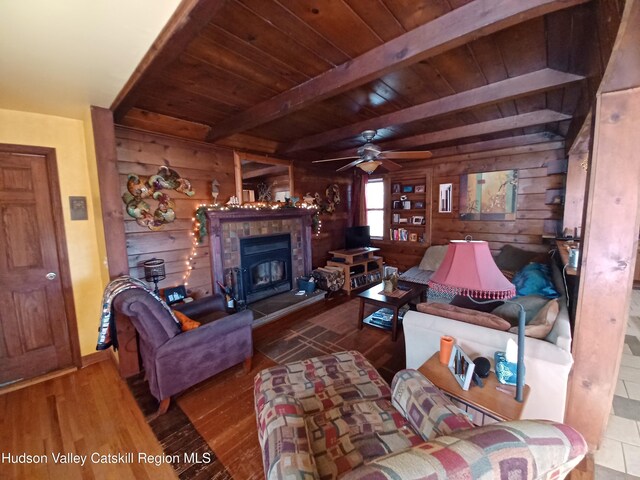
(303, 79)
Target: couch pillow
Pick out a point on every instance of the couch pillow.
(433, 257)
(510, 311)
(464, 315)
(185, 322)
(535, 279)
(513, 258)
(465, 302)
(543, 322)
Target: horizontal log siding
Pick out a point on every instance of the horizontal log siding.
(534, 217)
(143, 153)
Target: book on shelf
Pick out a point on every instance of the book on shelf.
(399, 234)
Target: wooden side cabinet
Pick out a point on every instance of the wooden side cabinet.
(361, 267)
(493, 401)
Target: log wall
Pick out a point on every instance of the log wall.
(143, 153)
(541, 177)
(331, 237)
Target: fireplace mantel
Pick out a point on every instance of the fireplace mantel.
(255, 222)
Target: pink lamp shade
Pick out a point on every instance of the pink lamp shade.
(468, 268)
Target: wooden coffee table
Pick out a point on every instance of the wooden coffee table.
(375, 296)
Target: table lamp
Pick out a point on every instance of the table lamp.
(468, 269)
(154, 272)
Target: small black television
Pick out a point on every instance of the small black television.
(357, 237)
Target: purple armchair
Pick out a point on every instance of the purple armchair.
(174, 360)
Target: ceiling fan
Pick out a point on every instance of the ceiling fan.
(369, 156)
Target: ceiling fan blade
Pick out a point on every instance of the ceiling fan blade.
(409, 155)
(389, 165)
(349, 165)
(334, 159)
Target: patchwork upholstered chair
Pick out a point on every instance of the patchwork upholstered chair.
(174, 360)
(335, 417)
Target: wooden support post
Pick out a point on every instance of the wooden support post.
(112, 217)
(609, 246)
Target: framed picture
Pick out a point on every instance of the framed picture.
(461, 367)
(403, 220)
(397, 205)
(444, 202)
(407, 189)
(175, 294)
(413, 237)
(418, 204)
(489, 195)
(406, 204)
(395, 218)
(388, 271)
(417, 220)
(419, 189)
(395, 188)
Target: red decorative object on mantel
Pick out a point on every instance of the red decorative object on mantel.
(468, 268)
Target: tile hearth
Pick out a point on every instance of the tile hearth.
(272, 308)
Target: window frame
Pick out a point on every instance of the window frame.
(381, 209)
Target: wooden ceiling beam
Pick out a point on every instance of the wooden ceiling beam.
(509, 89)
(469, 22)
(539, 117)
(185, 24)
(497, 144)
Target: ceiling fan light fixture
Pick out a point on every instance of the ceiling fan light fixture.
(370, 166)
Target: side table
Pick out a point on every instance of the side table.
(488, 400)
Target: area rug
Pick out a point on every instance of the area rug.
(336, 330)
(177, 436)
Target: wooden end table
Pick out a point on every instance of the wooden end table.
(497, 404)
(376, 296)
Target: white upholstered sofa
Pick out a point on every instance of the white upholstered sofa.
(548, 361)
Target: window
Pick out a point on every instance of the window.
(374, 194)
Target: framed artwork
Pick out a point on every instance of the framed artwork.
(417, 220)
(407, 189)
(489, 195)
(406, 204)
(397, 204)
(403, 220)
(419, 188)
(444, 202)
(395, 188)
(461, 367)
(418, 204)
(413, 237)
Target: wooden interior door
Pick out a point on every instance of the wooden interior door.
(34, 332)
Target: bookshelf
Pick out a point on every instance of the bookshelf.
(409, 208)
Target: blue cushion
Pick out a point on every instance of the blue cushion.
(535, 279)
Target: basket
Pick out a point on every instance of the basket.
(305, 284)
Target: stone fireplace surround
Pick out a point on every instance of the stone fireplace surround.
(227, 227)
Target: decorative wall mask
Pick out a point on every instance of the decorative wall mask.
(141, 188)
(326, 205)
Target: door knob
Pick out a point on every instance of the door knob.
(50, 276)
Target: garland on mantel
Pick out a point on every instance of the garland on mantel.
(199, 228)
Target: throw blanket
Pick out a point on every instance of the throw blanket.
(107, 334)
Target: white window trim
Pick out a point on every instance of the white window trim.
(381, 209)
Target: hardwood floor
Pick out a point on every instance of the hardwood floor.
(89, 411)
